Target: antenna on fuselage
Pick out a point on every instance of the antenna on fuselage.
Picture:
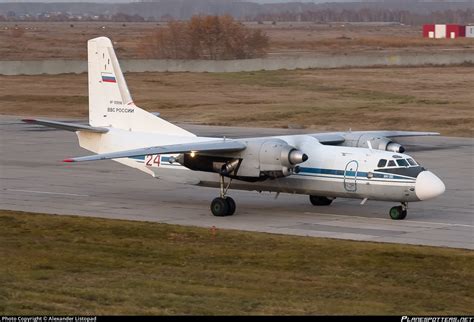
(370, 145)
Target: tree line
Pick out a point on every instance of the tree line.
(370, 15)
(460, 16)
(59, 17)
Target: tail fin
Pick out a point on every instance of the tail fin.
(110, 103)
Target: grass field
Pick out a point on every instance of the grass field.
(418, 98)
(76, 265)
(53, 40)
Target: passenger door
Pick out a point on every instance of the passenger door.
(350, 176)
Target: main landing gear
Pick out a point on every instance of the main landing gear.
(320, 201)
(223, 205)
(396, 213)
(399, 212)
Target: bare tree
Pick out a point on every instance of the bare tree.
(207, 37)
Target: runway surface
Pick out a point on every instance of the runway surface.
(33, 178)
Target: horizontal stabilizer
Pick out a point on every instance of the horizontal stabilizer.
(67, 126)
(209, 146)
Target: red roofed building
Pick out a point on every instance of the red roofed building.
(429, 31)
(455, 31)
(444, 31)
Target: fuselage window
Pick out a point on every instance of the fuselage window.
(402, 163)
(382, 163)
(391, 163)
(411, 161)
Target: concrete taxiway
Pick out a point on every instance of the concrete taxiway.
(33, 178)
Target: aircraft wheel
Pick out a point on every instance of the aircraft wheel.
(231, 204)
(404, 215)
(320, 201)
(398, 213)
(219, 207)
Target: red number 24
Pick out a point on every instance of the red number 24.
(152, 160)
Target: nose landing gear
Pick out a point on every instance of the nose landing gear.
(399, 212)
(223, 205)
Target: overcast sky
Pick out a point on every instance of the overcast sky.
(126, 1)
(259, 1)
(97, 1)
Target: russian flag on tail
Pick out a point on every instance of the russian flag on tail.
(108, 78)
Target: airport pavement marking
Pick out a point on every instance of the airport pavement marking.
(36, 195)
(48, 193)
(390, 220)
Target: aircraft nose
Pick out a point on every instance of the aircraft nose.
(428, 185)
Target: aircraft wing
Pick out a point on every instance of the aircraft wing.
(334, 138)
(209, 146)
(66, 126)
(394, 134)
(329, 138)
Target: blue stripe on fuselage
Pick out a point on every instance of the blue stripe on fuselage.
(360, 174)
(316, 171)
(141, 157)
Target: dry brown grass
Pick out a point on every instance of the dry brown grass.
(423, 98)
(64, 265)
(60, 40)
(346, 38)
(361, 44)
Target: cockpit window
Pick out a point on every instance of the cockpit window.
(382, 163)
(402, 163)
(391, 163)
(411, 161)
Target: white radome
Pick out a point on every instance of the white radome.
(428, 186)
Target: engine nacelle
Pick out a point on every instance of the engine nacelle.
(263, 158)
(395, 147)
(278, 158)
(377, 142)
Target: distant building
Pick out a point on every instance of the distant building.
(470, 31)
(455, 31)
(444, 31)
(428, 31)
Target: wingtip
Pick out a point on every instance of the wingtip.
(28, 120)
(69, 160)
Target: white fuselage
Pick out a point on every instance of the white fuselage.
(330, 171)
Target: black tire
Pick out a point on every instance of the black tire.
(320, 201)
(219, 207)
(397, 213)
(231, 204)
(404, 215)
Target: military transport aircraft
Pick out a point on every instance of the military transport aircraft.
(362, 165)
